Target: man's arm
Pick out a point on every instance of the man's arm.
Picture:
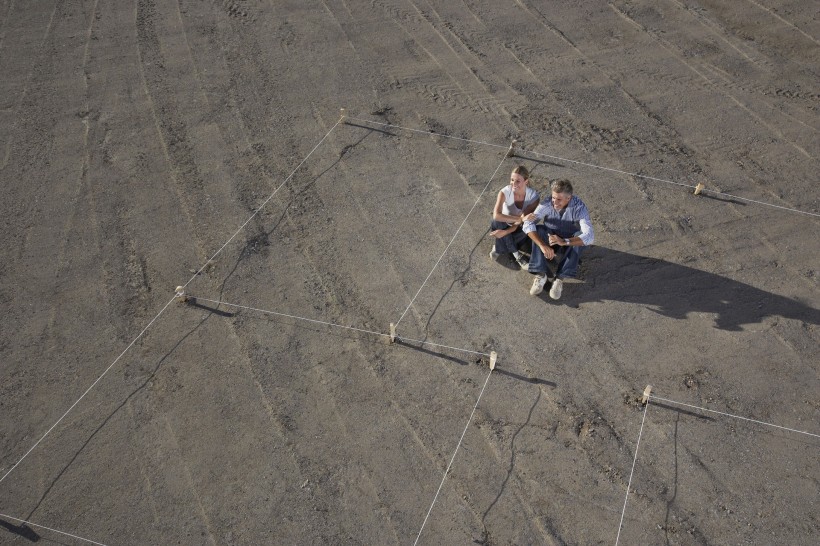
(548, 252)
(586, 236)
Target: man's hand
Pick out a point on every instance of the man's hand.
(556, 240)
(531, 217)
(549, 253)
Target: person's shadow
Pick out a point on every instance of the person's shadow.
(675, 290)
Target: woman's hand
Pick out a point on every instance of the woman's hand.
(499, 233)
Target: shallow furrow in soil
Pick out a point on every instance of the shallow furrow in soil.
(786, 22)
(12, 109)
(188, 144)
(46, 233)
(710, 84)
(169, 130)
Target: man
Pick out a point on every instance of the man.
(565, 232)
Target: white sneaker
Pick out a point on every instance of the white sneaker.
(494, 255)
(538, 285)
(555, 291)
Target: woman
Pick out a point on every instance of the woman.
(513, 203)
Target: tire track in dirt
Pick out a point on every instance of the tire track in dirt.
(784, 21)
(453, 94)
(493, 103)
(209, 526)
(241, 116)
(720, 32)
(171, 129)
(191, 58)
(329, 287)
(58, 295)
(6, 17)
(280, 410)
(672, 50)
(26, 85)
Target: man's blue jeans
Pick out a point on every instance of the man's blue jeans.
(564, 264)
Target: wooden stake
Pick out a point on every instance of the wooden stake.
(343, 115)
(180, 295)
(511, 151)
(392, 333)
(646, 392)
(699, 188)
(493, 358)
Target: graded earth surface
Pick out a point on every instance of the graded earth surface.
(150, 144)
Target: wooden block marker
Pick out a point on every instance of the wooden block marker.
(493, 358)
(343, 115)
(392, 333)
(699, 188)
(180, 294)
(511, 151)
(646, 392)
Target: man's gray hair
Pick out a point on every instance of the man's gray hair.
(561, 186)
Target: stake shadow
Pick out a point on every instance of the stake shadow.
(524, 155)
(382, 131)
(193, 303)
(533, 380)
(20, 530)
(674, 291)
(723, 198)
(682, 411)
(418, 346)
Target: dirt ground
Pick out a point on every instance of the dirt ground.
(137, 137)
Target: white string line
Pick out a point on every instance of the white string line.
(628, 485)
(735, 416)
(252, 216)
(647, 177)
(451, 241)
(704, 190)
(453, 458)
(167, 304)
(52, 530)
(427, 132)
(268, 312)
(88, 389)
